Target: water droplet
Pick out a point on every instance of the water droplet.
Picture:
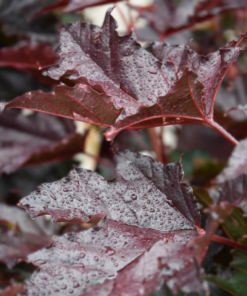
(133, 196)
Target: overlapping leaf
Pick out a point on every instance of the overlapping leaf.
(25, 142)
(129, 87)
(146, 206)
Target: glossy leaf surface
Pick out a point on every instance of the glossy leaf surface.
(134, 88)
(131, 197)
(139, 208)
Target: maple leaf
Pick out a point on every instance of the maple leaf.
(146, 206)
(122, 85)
(166, 18)
(24, 142)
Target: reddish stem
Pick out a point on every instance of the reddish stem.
(223, 132)
(156, 144)
(226, 241)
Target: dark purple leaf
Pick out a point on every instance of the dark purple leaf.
(237, 163)
(144, 194)
(136, 196)
(18, 217)
(76, 261)
(166, 18)
(235, 191)
(77, 264)
(25, 142)
(28, 56)
(16, 244)
(168, 85)
(171, 262)
(17, 18)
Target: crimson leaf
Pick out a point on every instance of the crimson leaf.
(24, 142)
(144, 195)
(129, 87)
